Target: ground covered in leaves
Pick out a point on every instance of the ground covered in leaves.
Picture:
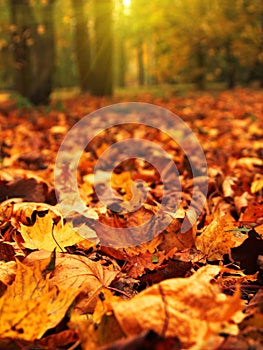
(200, 289)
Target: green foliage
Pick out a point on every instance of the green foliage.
(21, 102)
(155, 259)
(59, 106)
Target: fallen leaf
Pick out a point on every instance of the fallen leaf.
(138, 264)
(25, 185)
(259, 229)
(104, 305)
(7, 271)
(219, 237)
(249, 162)
(46, 234)
(255, 304)
(228, 186)
(247, 253)
(31, 306)
(253, 214)
(174, 239)
(77, 272)
(58, 340)
(257, 184)
(7, 251)
(93, 336)
(191, 309)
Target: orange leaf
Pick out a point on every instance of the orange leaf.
(191, 309)
(30, 306)
(219, 237)
(77, 272)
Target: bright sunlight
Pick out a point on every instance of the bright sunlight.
(126, 3)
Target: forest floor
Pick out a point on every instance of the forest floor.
(183, 278)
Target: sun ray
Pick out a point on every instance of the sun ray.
(126, 3)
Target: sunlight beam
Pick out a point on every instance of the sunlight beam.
(126, 3)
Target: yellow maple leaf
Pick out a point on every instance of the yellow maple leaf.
(48, 235)
(219, 237)
(31, 306)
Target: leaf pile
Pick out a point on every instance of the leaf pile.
(201, 289)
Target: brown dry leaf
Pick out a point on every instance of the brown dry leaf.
(7, 250)
(253, 323)
(25, 213)
(139, 221)
(92, 336)
(192, 309)
(241, 202)
(139, 257)
(219, 237)
(48, 235)
(58, 340)
(137, 264)
(24, 184)
(31, 306)
(253, 214)
(124, 182)
(176, 240)
(237, 277)
(149, 246)
(255, 304)
(78, 272)
(228, 186)
(104, 304)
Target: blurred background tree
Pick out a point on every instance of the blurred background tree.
(101, 60)
(99, 45)
(82, 44)
(33, 46)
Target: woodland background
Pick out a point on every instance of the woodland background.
(106, 45)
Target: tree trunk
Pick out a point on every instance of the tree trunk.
(199, 79)
(120, 47)
(102, 68)
(121, 59)
(34, 50)
(141, 70)
(82, 41)
(260, 60)
(231, 66)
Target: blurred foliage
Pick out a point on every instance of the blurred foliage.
(21, 102)
(158, 42)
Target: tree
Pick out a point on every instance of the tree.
(82, 41)
(102, 62)
(143, 17)
(33, 47)
(120, 36)
(141, 69)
